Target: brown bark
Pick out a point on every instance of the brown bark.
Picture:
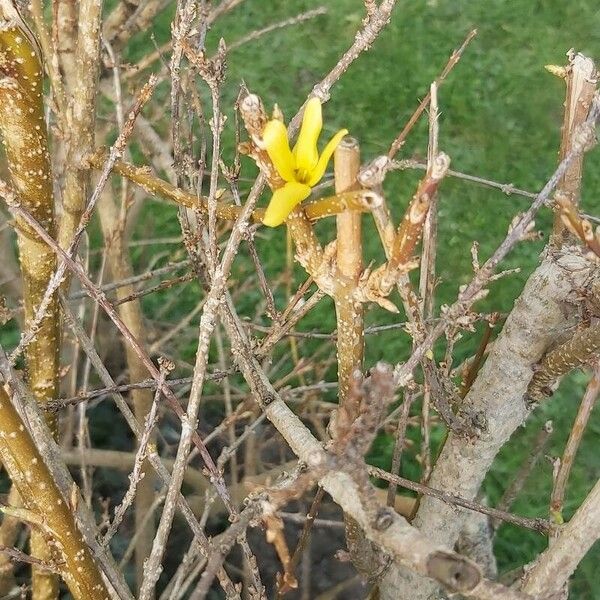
(581, 83)
(540, 315)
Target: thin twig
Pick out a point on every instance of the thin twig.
(575, 435)
(137, 430)
(506, 188)
(539, 525)
(516, 485)
(309, 522)
(135, 278)
(452, 61)
(472, 292)
(254, 35)
(109, 309)
(555, 566)
(399, 442)
(427, 275)
(137, 472)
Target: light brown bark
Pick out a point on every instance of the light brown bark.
(539, 317)
(82, 117)
(131, 312)
(581, 80)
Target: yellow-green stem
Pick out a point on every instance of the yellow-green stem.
(9, 532)
(356, 200)
(41, 496)
(25, 142)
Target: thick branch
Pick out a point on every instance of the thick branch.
(82, 117)
(25, 139)
(29, 473)
(583, 346)
(350, 325)
(537, 318)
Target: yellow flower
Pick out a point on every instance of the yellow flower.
(300, 168)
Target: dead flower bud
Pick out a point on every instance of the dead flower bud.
(373, 174)
(530, 234)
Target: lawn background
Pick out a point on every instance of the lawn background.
(501, 117)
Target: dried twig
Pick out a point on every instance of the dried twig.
(516, 485)
(399, 442)
(411, 229)
(16, 555)
(506, 188)
(138, 473)
(552, 570)
(301, 18)
(304, 540)
(575, 435)
(581, 80)
(452, 61)
(576, 224)
(539, 525)
(152, 456)
(427, 275)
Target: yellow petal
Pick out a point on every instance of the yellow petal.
(276, 143)
(305, 150)
(317, 173)
(284, 200)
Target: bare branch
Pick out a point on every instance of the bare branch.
(553, 568)
(581, 79)
(566, 462)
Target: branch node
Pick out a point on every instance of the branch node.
(384, 519)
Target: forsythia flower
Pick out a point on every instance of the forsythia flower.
(301, 168)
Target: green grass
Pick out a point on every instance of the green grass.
(501, 118)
